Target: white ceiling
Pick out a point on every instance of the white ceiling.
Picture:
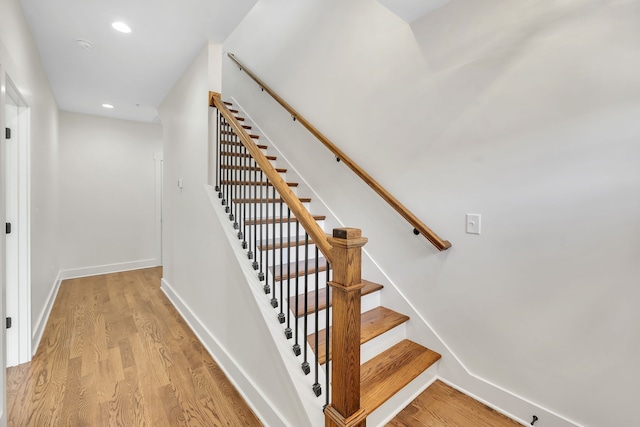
(133, 71)
(411, 10)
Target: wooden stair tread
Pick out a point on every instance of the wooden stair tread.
(226, 132)
(387, 373)
(234, 182)
(369, 287)
(231, 153)
(278, 245)
(249, 168)
(279, 220)
(373, 323)
(281, 272)
(227, 103)
(240, 144)
(271, 200)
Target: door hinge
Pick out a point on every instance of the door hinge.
(7, 133)
(7, 228)
(8, 322)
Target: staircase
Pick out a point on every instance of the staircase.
(295, 276)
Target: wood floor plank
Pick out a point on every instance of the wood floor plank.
(115, 352)
(442, 406)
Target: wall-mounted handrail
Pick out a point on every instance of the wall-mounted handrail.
(297, 208)
(418, 225)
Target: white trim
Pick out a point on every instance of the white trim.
(108, 268)
(258, 402)
(41, 323)
(542, 413)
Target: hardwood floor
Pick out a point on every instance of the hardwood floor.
(442, 406)
(116, 353)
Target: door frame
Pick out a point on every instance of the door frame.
(20, 285)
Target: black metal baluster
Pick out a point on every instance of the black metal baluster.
(287, 332)
(243, 202)
(234, 181)
(249, 202)
(296, 346)
(265, 243)
(274, 299)
(281, 317)
(261, 273)
(239, 184)
(305, 365)
(327, 338)
(218, 152)
(227, 161)
(255, 217)
(317, 389)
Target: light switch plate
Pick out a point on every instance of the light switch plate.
(473, 223)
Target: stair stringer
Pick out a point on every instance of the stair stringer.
(311, 404)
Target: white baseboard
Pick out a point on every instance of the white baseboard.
(41, 323)
(263, 409)
(108, 268)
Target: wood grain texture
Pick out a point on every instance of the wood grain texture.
(278, 220)
(345, 338)
(116, 353)
(391, 370)
(442, 406)
(373, 323)
(235, 154)
(429, 234)
(368, 288)
(269, 200)
(297, 208)
(252, 183)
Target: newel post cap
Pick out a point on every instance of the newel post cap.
(347, 237)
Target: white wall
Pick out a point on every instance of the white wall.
(524, 112)
(201, 274)
(19, 59)
(107, 185)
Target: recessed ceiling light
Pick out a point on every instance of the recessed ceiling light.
(122, 27)
(107, 105)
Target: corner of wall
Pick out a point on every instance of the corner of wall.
(41, 323)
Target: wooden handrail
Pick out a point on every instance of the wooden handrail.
(418, 225)
(297, 209)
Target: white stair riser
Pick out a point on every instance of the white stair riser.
(369, 302)
(311, 284)
(289, 254)
(264, 209)
(288, 230)
(247, 175)
(377, 345)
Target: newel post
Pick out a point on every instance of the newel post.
(344, 409)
